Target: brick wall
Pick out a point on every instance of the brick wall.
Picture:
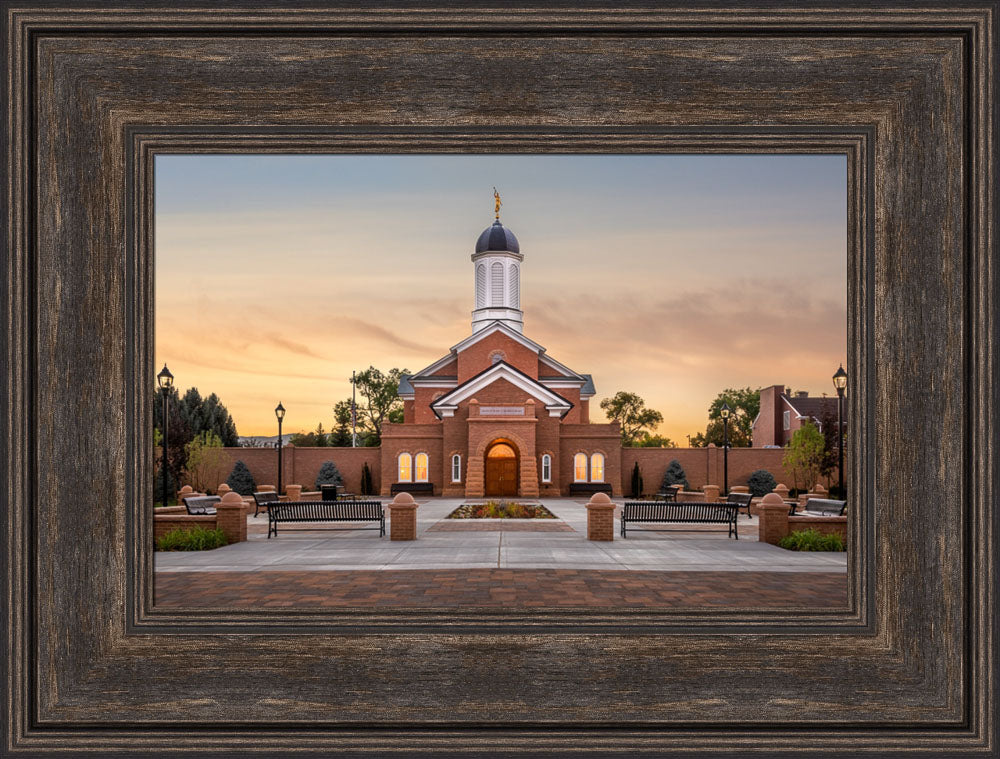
(476, 357)
(589, 439)
(301, 465)
(413, 439)
(164, 523)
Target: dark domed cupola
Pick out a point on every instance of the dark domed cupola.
(497, 237)
(498, 276)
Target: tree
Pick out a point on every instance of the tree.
(636, 481)
(378, 402)
(630, 411)
(178, 436)
(804, 454)
(328, 475)
(316, 439)
(206, 462)
(367, 488)
(654, 441)
(241, 480)
(761, 482)
(341, 433)
(830, 451)
(674, 475)
(744, 405)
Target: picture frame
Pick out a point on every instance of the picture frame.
(905, 90)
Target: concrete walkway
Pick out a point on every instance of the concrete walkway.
(504, 544)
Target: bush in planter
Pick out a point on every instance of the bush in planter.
(636, 481)
(367, 488)
(328, 475)
(196, 538)
(241, 480)
(674, 476)
(761, 483)
(811, 540)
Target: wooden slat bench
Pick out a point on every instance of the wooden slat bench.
(201, 504)
(326, 511)
(680, 512)
(413, 488)
(263, 499)
(589, 488)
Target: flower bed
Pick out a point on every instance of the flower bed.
(501, 510)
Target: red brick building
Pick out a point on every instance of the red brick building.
(783, 412)
(496, 415)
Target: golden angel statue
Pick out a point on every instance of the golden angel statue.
(496, 197)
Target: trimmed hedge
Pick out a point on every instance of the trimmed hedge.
(811, 540)
(241, 480)
(196, 538)
(761, 483)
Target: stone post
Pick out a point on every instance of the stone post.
(600, 517)
(222, 489)
(773, 524)
(184, 491)
(231, 517)
(265, 488)
(403, 518)
(294, 492)
(781, 490)
(711, 493)
(739, 489)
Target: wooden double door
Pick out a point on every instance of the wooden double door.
(501, 471)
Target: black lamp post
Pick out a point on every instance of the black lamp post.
(725, 448)
(280, 413)
(166, 381)
(840, 382)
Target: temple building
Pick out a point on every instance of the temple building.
(497, 415)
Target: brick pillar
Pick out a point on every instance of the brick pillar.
(294, 492)
(231, 517)
(739, 489)
(222, 489)
(184, 491)
(600, 517)
(265, 488)
(403, 518)
(711, 493)
(773, 524)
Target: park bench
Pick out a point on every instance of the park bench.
(680, 512)
(413, 488)
(589, 488)
(826, 506)
(742, 501)
(669, 493)
(202, 505)
(326, 511)
(262, 499)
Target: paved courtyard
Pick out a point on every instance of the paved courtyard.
(470, 562)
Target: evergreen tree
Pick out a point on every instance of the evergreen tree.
(636, 481)
(158, 486)
(241, 480)
(366, 480)
(674, 475)
(328, 475)
(761, 482)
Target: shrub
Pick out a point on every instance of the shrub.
(811, 540)
(761, 483)
(328, 475)
(674, 476)
(241, 480)
(196, 538)
(367, 488)
(636, 481)
(158, 487)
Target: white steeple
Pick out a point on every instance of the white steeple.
(497, 270)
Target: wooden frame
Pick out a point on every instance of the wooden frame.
(906, 91)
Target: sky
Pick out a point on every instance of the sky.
(671, 276)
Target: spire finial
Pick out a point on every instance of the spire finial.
(498, 203)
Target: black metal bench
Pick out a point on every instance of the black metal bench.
(826, 506)
(413, 488)
(742, 501)
(680, 512)
(262, 499)
(325, 511)
(669, 493)
(589, 488)
(201, 505)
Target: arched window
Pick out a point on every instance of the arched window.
(580, 467)
(546, 468)
(496, 285)
(597, 467)
(515, 287)
(456, 468)
(405, 468)
(481, 286)
(421, 468)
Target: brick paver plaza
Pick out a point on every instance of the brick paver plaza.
(500, 563)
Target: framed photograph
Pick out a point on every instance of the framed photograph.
(525, 543)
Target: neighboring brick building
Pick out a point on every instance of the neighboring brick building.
(498, 416)
(783, 412)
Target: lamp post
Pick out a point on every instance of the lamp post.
(279, 412)
(840, 382)
(166, 381)
(725, 448)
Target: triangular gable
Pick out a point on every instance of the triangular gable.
(562, 369)
(497, 326)
(555, 404)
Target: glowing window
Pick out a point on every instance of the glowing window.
(580, 467)
(546, 468)
(405, 468)
(421, 467)
(597, 467)
(496, 283)
(456, 468)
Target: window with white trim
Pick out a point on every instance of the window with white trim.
(546, 468)
(514, 287)
(456, 468)
(421, 468)
(496, 284)
(786, 420)
(405, 468)
(580, 467)
(597, 467)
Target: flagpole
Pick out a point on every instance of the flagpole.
(354, 413)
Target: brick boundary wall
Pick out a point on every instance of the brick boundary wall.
(164, 523)
(301, 465)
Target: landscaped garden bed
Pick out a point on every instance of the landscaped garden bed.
(501, 510)
(812, 540)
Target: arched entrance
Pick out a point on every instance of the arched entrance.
(501, 469)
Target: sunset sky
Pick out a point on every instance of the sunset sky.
(670, 276)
